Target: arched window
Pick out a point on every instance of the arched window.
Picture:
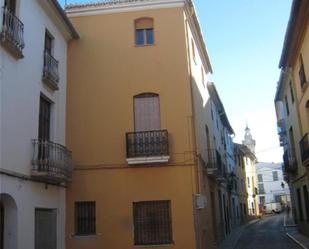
(147, 112)
(144, 31)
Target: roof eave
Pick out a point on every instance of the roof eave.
(65, 19)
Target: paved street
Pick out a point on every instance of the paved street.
(267, 233)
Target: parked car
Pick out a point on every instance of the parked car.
(274, 207)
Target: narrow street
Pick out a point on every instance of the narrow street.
(268, 233)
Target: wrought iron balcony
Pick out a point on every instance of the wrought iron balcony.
(215, 166)
(12, 33)
(51, 162)
(289, 161)
(304, 149)
(50, 71)
(147, 147)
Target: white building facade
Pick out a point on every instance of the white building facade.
(34, 162)
(271, 184)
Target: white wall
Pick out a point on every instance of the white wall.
(28, 196)
(20, 89)
(271, 187)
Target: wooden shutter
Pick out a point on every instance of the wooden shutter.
(147, 112)
(45, 229)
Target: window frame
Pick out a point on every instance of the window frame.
(45, 118)
(165, 225)
(144, 32)
(92, 227)
(52, 41)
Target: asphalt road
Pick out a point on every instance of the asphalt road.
(268, 233)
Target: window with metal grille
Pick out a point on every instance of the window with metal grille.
(85, 218)
(152, 223)
(44, 119)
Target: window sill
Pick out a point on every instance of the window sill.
(158, 245)
(90, 236)
(144, 45)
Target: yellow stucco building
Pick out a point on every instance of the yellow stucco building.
(292, 103)
(149, 133)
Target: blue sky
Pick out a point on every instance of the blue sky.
(244, 39)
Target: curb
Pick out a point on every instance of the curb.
(296, 241)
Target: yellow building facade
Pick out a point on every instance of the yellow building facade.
(292, 110)
(139, 114)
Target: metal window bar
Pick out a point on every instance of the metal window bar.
(85, 218)
(12, 29)
(50, 70)
(152, 223)
(147, 143)
(52, 158)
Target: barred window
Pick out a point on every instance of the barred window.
(85, 218)
(152, 222)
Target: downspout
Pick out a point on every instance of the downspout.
(195, 216)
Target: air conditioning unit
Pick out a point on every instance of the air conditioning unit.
(200, 201)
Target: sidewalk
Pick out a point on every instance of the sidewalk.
(231, 240)
(292, 232)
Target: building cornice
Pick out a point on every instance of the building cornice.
(109, 7)
(198, 35)
(57, 14)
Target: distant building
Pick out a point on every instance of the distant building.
(271, 185)
(250, 161)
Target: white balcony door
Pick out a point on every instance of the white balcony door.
(147, 112)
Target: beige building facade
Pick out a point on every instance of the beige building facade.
(292, 110)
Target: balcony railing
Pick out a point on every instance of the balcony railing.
(215, 166)
(12, 33)
(51, 161)
(304, 149)
(50, 71)
(289, 160)
(147, 147)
